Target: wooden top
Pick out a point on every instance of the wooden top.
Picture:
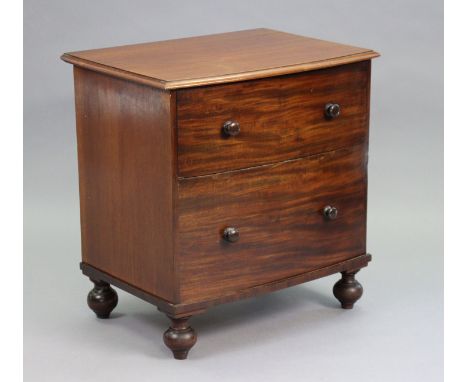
(218, 58)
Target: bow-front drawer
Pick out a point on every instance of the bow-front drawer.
(250, 123)
(249, 227)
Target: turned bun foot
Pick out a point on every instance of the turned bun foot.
(102, 299)
(180, 337)
(348, 290)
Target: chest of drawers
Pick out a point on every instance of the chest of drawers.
(221, 167)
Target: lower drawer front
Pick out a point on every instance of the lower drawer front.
(278, 212)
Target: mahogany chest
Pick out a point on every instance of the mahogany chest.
(221, 167)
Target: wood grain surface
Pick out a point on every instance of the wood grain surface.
(280, 118)
(126, 169)
(225, 57)
(278, 211)
(188, 309)
(187, 210)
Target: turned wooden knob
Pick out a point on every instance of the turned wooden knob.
(332, 110)
(231, 234)
(330, 212)
(231, 128)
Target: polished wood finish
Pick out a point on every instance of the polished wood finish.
(102, 299)
(180, 337)
(280, 118)
(221, 167)
(348, 290)
(180, 310)
(278, 210)
(219, 58)
(126, 168)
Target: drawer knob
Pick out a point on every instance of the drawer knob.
(330, 212)
(332, 110)
(231, 128)
(231, 234)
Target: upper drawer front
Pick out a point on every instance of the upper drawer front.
(279, 213)
(280, 118)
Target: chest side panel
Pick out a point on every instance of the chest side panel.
(126, 171)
